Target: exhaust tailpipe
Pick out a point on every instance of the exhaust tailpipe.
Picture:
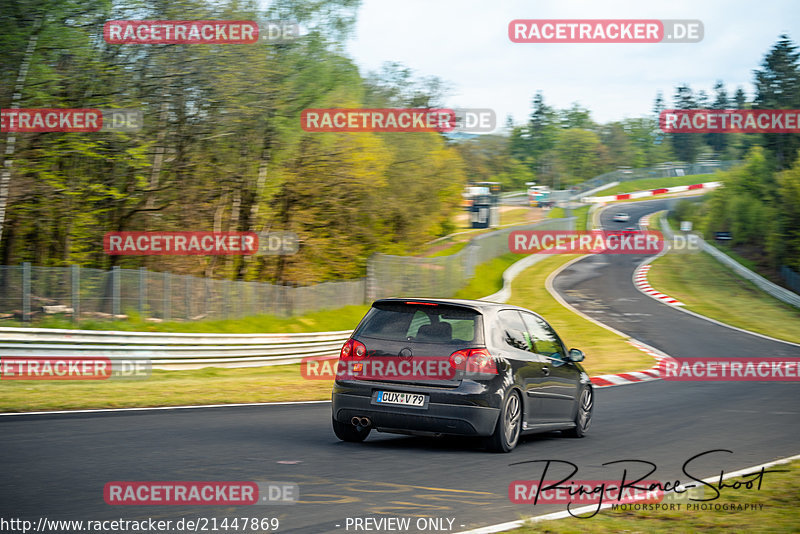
(360, 421)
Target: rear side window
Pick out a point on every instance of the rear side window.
(544, 338)
(514, 331)
(428, 324)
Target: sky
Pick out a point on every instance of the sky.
(465, 42)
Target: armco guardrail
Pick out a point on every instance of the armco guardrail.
(172, 351)
(762, 283)
(86, 292)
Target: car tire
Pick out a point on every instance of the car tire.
(350, 433)
(583, 415)
(509, 425)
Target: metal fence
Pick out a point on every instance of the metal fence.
(84, 292)
(26, 290)
(443, 276)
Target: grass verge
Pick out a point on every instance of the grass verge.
(488, 278)
(605, 351)
(518, 215)
(455, 248)
(709, 288)
(582, 215)
(777, 513)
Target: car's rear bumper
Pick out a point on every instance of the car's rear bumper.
(457, 413)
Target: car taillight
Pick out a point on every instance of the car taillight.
(353, 350)
(473, 361)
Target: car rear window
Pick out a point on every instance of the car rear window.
(423, 323)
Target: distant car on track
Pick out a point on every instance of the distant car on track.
(500, 371)
(621, 217)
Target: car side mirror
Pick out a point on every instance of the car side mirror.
(576, 355)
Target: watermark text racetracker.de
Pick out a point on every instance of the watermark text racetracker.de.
(378, 368)
(467, 120)
(197, 493)
(730, 120)
(596, 242)
(70, 120)
(73, 368)
(199, 32)
(199, 243)
(776, 369)
(605, 31)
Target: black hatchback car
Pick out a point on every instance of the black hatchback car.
(458, 367)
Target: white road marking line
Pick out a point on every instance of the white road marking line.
(154, 408)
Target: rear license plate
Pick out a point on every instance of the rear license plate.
(403, 399)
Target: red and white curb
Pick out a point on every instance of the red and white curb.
(652, 192)
(641, 283)
(620, 379)
(640, 275)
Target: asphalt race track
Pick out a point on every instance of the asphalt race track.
(57, 465)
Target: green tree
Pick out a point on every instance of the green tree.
(488, 158)
(784, 243)
(621, 150)
(778, 87)
(580, 155)
(719, 141)
(576, 117)
(686, 146)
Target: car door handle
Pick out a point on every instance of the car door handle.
(546, 371)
